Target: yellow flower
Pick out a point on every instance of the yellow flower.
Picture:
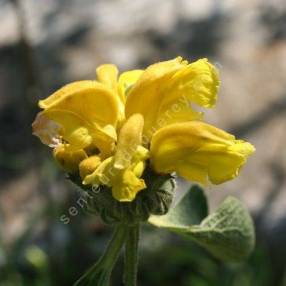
(142, 118)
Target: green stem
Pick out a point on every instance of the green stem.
(131, 256)
(99, 274)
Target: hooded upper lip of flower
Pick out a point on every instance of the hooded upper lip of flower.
(141, 115)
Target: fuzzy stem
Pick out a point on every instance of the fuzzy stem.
(131, 256)
(99, 274)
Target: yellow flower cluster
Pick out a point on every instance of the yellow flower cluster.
(109, 129)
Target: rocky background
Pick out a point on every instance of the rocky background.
(47, 43)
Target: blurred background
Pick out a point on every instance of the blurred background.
(47, 43)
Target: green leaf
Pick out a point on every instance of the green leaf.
(190, 210)
(228, 233)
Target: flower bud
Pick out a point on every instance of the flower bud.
(68, 160)
(88, 166)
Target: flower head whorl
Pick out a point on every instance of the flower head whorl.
(108, 132)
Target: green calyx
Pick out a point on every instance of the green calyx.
(156, 199)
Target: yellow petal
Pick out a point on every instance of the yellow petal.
(127, 80)
(144, 95)
(130, 137)
(101, 175)
(178, 111)
(107, 74)
(80, 135)
(87, 111)
(126, 185)
(198, 81)
(167, 89)
(88, 99)
(124, 182)
(199, 152)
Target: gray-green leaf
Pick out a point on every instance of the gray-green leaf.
(190, 210)
(228, 233)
